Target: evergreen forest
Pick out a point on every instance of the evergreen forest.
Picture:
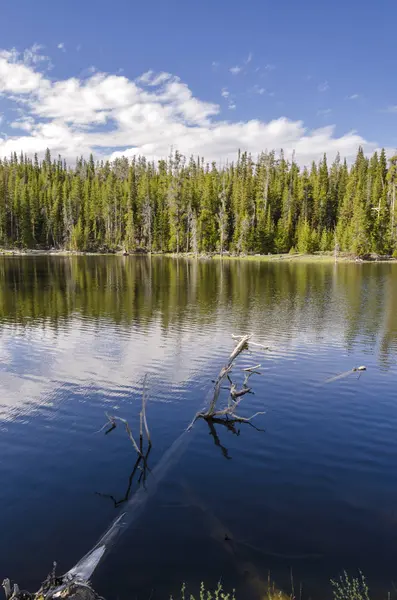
(254, 205)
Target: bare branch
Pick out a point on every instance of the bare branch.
(247, 419)
(143, 412)
(7, 588)
(112, 420)
(235, 394)
(238, 393)
(260, 345)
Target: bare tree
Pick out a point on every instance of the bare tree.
(222, 217)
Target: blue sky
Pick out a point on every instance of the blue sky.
(252, 74)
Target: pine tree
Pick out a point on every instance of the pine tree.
(248, 206)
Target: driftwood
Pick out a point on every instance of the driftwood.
(231, 425)
(235, 395)
(142, 416)
(53, 587)
(112, 421)
(74, 585)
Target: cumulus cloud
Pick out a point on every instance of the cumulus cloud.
(18, 76)
(61, 46)
(112, 115)
(25, 123)
(235, 70)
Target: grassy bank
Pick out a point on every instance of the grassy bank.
(319, 257)
(323, 257)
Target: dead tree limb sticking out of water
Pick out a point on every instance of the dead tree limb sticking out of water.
(235, 395)
(74, 585)
(112, 423)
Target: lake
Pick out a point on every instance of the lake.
(313, 494)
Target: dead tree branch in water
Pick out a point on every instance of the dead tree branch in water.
(230, 425)
(113, 424)
(112, 421)
(75, 583)
(238, 337)
(235, 395)
(143, 416)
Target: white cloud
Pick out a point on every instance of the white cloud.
(235, 70)
(32, 56)
(227, 96)
(257, 89)
(61, 46)
(25, 123)
(269, 67)
(16, 76)
(249, 58)
(148, 116)
(323, 87)
(324, 112)
(353, 97)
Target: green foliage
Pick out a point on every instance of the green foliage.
(179, 205)
(304, 237)
(205, 594)
(350, 588)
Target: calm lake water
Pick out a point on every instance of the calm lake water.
(315, 493)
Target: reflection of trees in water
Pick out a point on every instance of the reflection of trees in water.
(346, 302)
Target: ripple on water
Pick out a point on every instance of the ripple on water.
(319, 479)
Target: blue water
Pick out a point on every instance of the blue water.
(315, 493)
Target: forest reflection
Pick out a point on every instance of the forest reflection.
(347, 302)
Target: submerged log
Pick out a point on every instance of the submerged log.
(75, 583)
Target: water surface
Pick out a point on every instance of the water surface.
(316, 492)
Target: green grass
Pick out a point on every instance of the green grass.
(350, 588)
(345, 587)
(205, 594)
(320, 257)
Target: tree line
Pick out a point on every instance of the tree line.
(262, 205)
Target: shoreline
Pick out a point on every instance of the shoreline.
(321, 257)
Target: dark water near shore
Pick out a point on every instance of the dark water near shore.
(315, 493)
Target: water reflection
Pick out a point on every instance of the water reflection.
(342, 303)
(77, 334)
(140, 470)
